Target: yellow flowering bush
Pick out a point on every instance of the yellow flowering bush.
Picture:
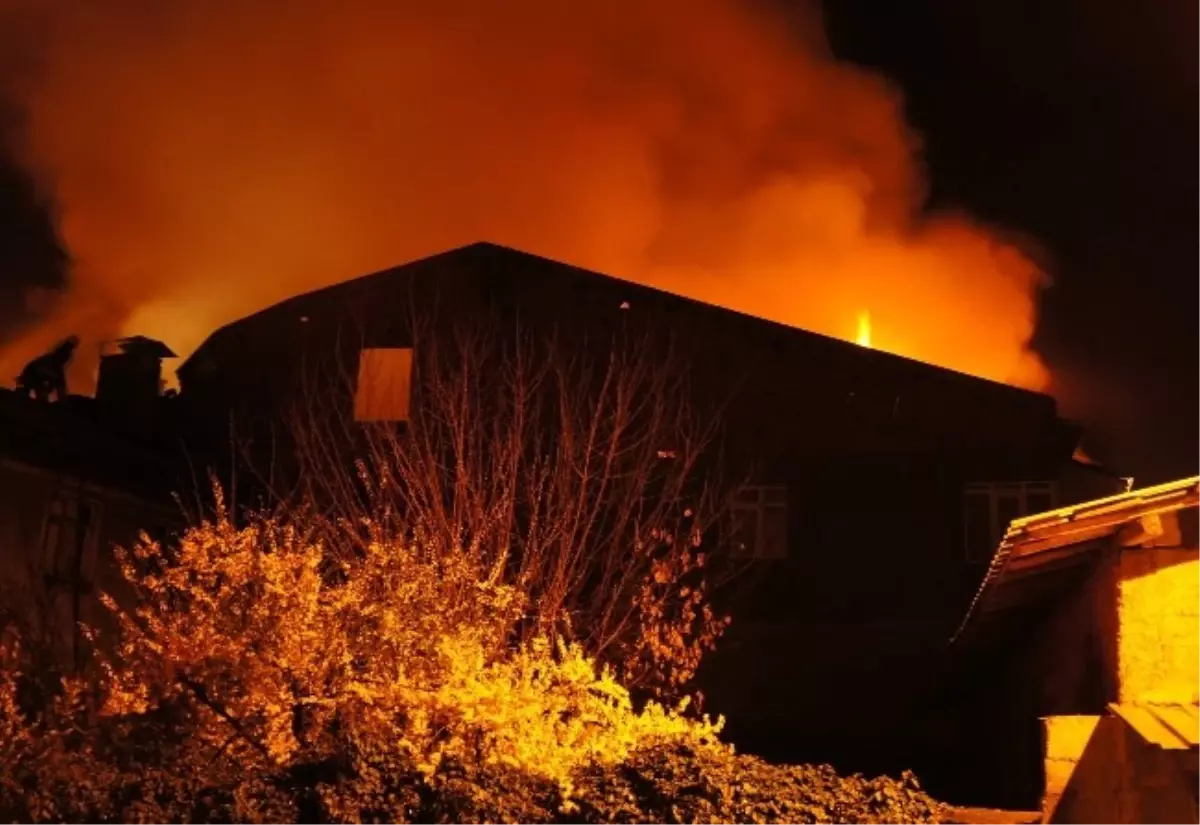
(549, 712)
(250, 658)
(258, 677)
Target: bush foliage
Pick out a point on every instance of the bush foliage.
(256, 679)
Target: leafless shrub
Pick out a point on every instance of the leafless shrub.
(584, 473)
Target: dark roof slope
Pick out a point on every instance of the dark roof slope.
(521, 273)
(77, 437)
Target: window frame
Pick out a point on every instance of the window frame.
(760, 500)
(368, 403)
(995, 492)
(62, 513)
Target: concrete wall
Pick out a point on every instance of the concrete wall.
(1099, 770)
(1131, 634)
(1091, 794)
(1158, 632)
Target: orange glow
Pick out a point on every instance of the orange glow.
(863, 338)
(269, 148)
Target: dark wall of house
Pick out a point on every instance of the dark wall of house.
(835, 652)
(1053, 653)
(56, 577)
(843, 636)
(796, 403)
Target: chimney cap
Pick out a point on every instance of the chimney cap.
(141, 345)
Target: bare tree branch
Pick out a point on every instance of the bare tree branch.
(582, 472)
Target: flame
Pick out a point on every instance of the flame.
(863, 338)
(276, 147)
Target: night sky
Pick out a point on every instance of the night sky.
(1073, 124)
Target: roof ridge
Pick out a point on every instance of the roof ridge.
(744, 317)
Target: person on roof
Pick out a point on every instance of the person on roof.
(46, 375)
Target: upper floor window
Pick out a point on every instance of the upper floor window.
(989, 508)
(384, 384)
(760, 522)
(69, 537)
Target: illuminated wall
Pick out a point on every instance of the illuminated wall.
(1158, 632)
(1145, 616)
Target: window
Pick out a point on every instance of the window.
(69, 537)
(384, 382)
(988, 509)
(760, 522)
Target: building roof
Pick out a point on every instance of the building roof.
(519, 272)
(77, 437)
(1044, 554)
(870, 401)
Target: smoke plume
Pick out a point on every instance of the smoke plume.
(210, 157)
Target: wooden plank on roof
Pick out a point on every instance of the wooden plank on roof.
(1055, 527)
(1147, 722)
(1069, 537)
(1182, 719)
(1038, 545)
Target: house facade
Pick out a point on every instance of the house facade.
(77, 477)
(877, 484)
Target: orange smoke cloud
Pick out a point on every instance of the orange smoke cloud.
(211, 157)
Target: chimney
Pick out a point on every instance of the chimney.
(132, 376)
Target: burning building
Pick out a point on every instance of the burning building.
(880, 485)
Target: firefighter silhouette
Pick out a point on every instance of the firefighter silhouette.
(46, 375)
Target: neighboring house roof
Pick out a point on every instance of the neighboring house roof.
(1043, 554)
(76, 438)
